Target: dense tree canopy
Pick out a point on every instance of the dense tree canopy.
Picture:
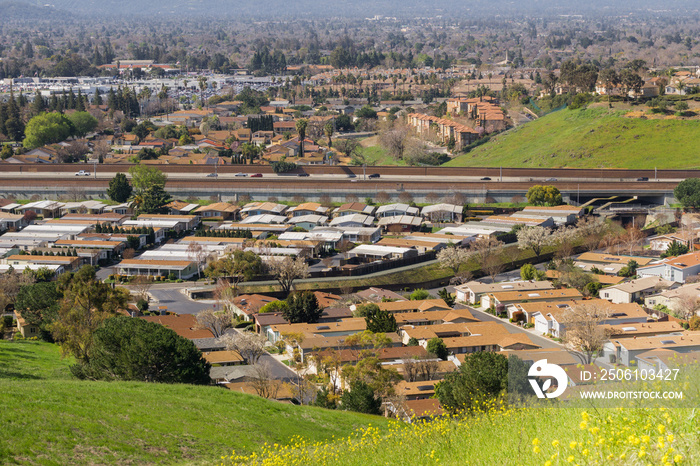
(47, 128)
(302, 307)
(119, 188)
(688, 192)
(83, 123)
(125, 348)
(544, 196)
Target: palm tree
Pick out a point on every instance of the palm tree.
(328, 129)
(301, 130)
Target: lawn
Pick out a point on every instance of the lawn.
(50, 418)
(590, 138)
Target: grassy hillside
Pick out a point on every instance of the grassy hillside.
(534, 436)
(591, 138)
(49, 418)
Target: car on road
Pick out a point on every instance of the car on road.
(241, 174)
(486, 178)
(374, 175)
(352, 175)
(212, 175)
(256, 175)
(551, 179)
(643, 178)
(82, 173)
(303, 174)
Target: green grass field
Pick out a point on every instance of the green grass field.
(51, 418)
(590, 138)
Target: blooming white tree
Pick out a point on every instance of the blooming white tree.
(534, 238)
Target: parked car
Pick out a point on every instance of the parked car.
(241, 174)
(374, 175)
(256, 175)
(643, 178)
(486, 178)
(212, 175)
(82, 173)
(303, 174)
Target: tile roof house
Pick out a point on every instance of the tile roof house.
(676, 269)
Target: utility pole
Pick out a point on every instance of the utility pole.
(501, 174)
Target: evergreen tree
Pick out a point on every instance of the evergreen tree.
(98, 97)
(38, 105)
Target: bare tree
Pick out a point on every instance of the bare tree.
(10, 284)
(141, 284)
(432, 197)
(383, 197)
(325, 200)
(405, 197)
(75, 193)
(534, 238)
(128, 253)
(584, 335)
(591, 230)
(351, 198)
(286, 270)
(492, 264)
(395, 140)
(633, 238)
(250, 345)
(215, 321)
(101, 149)
(263, 382)
(687, 306)
(197, 253)
(427, 368)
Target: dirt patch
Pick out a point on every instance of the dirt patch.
(370, 141)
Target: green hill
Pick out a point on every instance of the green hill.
(50, 418)
(590, 138)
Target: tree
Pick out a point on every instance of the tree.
(83, 123)
(141, 284)
(544, 196)
(47, 128)
(217, 322)
(609, 78)
(419, 294)
(688, 192)
(361, 398)
(38, 304)
(675, 249)
(236, 267)
(534, 238)
(348, 146)
(144, 177)
(482, 376)
(395, 140)
(119, 188)
(301, 125)
(288, 269)
(154, 199)
(379, 321)
(584, 333)
(87, 302)
(630, 81)
(529, 272)
(328, 130)
(453, 257)
(437, 347)
(302, 307)
(263, 382)
(10, 285)
(446, 296)
(249, 345)
(125, 348)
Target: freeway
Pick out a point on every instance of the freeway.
(451, 173)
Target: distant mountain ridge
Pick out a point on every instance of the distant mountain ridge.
(274, 9)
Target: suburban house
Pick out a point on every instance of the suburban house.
(375, 252)
(222, 210)
(662, 242)
(472, 292)
(260, 208)
(181, 269)
(635, 290)
(308, 222)
(551, 321)
(400, 223)
(626, 350)
(442, 213)
(676, 299)
(665, 359)
(354, 208)
(501, 299)
(421, 305)
(246, 305)
(307, 208)
(392, 210)
(676, 269)
(27, 330)
(352, 220)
